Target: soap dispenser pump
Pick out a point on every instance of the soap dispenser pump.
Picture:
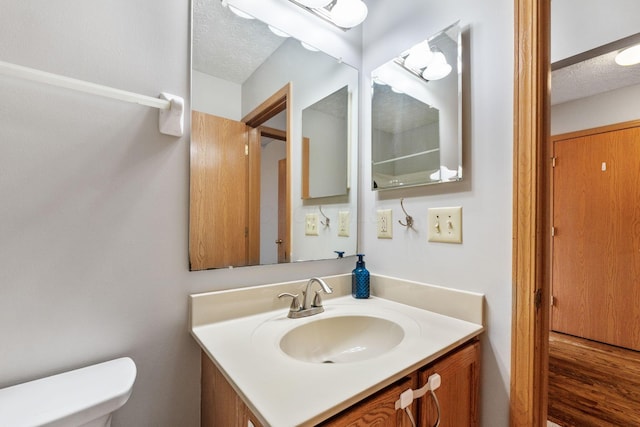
(360, 280)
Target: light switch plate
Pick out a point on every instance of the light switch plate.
(343, 223)
(311, 224)
(445, 224)
(385, 224)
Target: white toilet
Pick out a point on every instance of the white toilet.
(84, 397)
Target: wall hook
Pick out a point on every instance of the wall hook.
(409, 218)
(326, 218)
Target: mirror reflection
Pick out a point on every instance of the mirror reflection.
(250, 86)
(325, 146)
(416, 119)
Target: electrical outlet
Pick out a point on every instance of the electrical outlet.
(343, 224)
(311, 224)
(445, 224)
(385, 224)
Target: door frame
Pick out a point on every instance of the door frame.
(531, 219)
(275, 104)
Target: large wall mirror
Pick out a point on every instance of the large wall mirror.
(261, 169)
(416, 114)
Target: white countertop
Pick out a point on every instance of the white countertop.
(282, 391)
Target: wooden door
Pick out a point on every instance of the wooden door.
(218, 190)
(282, 242)
(596, 244)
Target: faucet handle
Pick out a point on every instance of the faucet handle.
(317, 299)
(295, 302)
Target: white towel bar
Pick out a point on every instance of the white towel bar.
(171, 117)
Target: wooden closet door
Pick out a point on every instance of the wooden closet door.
(596, 247)
(218, 225)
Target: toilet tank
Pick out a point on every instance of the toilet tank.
(75, 398)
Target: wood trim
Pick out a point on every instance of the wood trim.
(305, 167)
(273, 133)
(529, 336)
(289, 103)
(597, 130)
(273, 105)
(253, 202)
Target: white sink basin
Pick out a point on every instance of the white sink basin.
(342, 339)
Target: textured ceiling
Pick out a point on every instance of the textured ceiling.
(227, 46)
(335, 104)
(591, 77)
(387, 104)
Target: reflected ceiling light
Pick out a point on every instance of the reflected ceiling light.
(314, 4)
(349, 13)
(629, 56)
(278, 32)
(238, 12)
(344, 14)
(420, 56)
(308, 47)
(438, 69)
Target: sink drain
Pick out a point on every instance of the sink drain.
(328, 361)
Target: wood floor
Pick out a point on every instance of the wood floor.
(592, 384)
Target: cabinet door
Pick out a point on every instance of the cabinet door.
(458, 393)
(377, 410)
(220, 405)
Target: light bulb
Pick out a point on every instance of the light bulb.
(420, 56)
(278, 32)
(240, 13)
(314, 4)
(349, 13)
(438, 69)
(308, 46)
(630, 56)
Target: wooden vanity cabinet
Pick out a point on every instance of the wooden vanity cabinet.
(377, 410)
(458, 396)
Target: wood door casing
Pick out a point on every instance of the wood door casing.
(218, 192)
(596, 246)
(283, 245)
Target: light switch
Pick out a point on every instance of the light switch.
(311, 224)
(343, 223)
(445, 225)
(385, 224)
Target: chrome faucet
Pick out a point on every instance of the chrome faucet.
(307, 308)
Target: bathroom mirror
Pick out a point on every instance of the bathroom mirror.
(325, 146)
(252, 82)
(416, 114)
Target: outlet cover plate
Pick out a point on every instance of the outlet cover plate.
(385, 224)
(343, 223)
(445, 224)
(311, 224)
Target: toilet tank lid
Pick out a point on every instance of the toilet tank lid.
(87, 392)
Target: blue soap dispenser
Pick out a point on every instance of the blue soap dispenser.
(360, 280)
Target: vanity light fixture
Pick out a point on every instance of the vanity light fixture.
(438, 69)
(343, 14)
(420, 56)
(629, 56)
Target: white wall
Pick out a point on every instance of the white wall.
(213, 95)
(94, 205)
(482, 263)
(608, 108)
(581, 25)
